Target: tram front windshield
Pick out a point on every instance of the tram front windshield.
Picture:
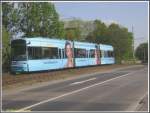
(18, 50)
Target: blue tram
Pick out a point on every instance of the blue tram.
(41, 54)
(107, 54)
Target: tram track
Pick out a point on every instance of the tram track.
(8, 80)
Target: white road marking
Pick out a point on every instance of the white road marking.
(72, 92)
(75, 83)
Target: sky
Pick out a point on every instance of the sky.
(127, 14)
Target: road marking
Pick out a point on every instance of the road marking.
(75, 83)
(72, 92)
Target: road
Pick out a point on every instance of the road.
(118, 90)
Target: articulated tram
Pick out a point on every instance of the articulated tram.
(41, 54)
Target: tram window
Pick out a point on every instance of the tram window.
(92, 53)
(42, 53)
(34, 53)
(53, 53)
(64, 54)
(106, 54)
(110, 53)
(113, 54)
(59, 55)
(102, 53)
(45, 52)
(18, 50)
(80, 53)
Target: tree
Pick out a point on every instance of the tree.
(32, 19)
(5, 49)
(142, 52)
(121, 39)
(41, 19)
(114, 34)
(73, 29)
(72, 34)
(99, 34)
(10, 18)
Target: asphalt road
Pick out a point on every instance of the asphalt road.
(118, 90)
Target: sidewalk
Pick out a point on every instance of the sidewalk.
(143, 104)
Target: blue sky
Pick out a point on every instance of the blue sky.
(124, 13)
